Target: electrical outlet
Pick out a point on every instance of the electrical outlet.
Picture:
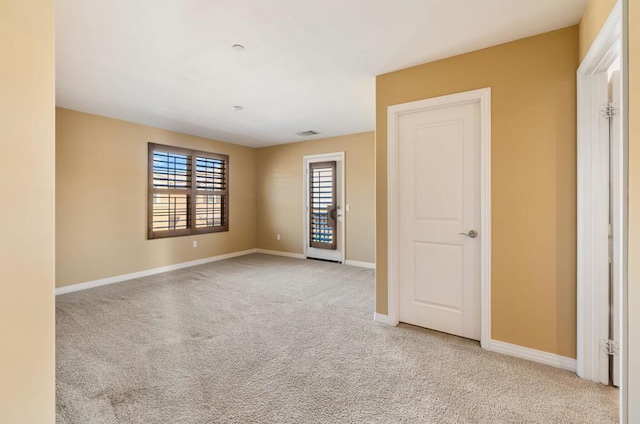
(348, 208)
(278, 236)
(195, 243)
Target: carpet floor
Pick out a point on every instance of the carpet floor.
(265, 339)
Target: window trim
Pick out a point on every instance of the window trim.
(192, 192)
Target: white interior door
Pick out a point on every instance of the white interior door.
(616, 222)
(324, 200)
(439, 219)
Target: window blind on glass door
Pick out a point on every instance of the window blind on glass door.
(322, 205)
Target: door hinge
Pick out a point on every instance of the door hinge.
(610, 242)
(610, 110)
(610, 347)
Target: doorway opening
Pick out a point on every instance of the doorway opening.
(602, 210)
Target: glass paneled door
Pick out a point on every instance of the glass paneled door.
(323, 210)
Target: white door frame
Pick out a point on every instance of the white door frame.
(339, 157)
(593, 201)
(483, 97)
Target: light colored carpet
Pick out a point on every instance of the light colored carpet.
(261, 339)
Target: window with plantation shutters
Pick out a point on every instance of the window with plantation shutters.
(188, 192)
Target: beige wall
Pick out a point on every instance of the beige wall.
(533, 84)
(593, 19)
(101, 208)
(280, 202)
(27, 353)
(634, 212)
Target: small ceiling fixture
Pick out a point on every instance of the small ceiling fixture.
(307, 133)
(238, 47)
(237, 107)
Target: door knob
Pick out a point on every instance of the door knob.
(332, 215)
(470, 234)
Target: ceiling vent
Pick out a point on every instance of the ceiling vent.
(307, 133)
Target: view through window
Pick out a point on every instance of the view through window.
(188, 192)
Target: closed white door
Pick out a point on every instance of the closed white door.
(439, 219)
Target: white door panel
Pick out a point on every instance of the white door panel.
(441, 267)
(617, 226)
(433, 199)
(439, 184)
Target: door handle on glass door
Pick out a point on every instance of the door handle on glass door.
(470, 234)
(331, 216)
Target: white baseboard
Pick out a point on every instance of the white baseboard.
(368, 265)
(534, 355)
(279, 253)
(140, 274)
(381, 318)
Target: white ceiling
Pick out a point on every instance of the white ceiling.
(307, 65)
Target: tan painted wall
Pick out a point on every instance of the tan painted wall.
(533, 86)
(101, 189)
(593, 19)
(27, 352)
(280, 203)
(634, 212)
